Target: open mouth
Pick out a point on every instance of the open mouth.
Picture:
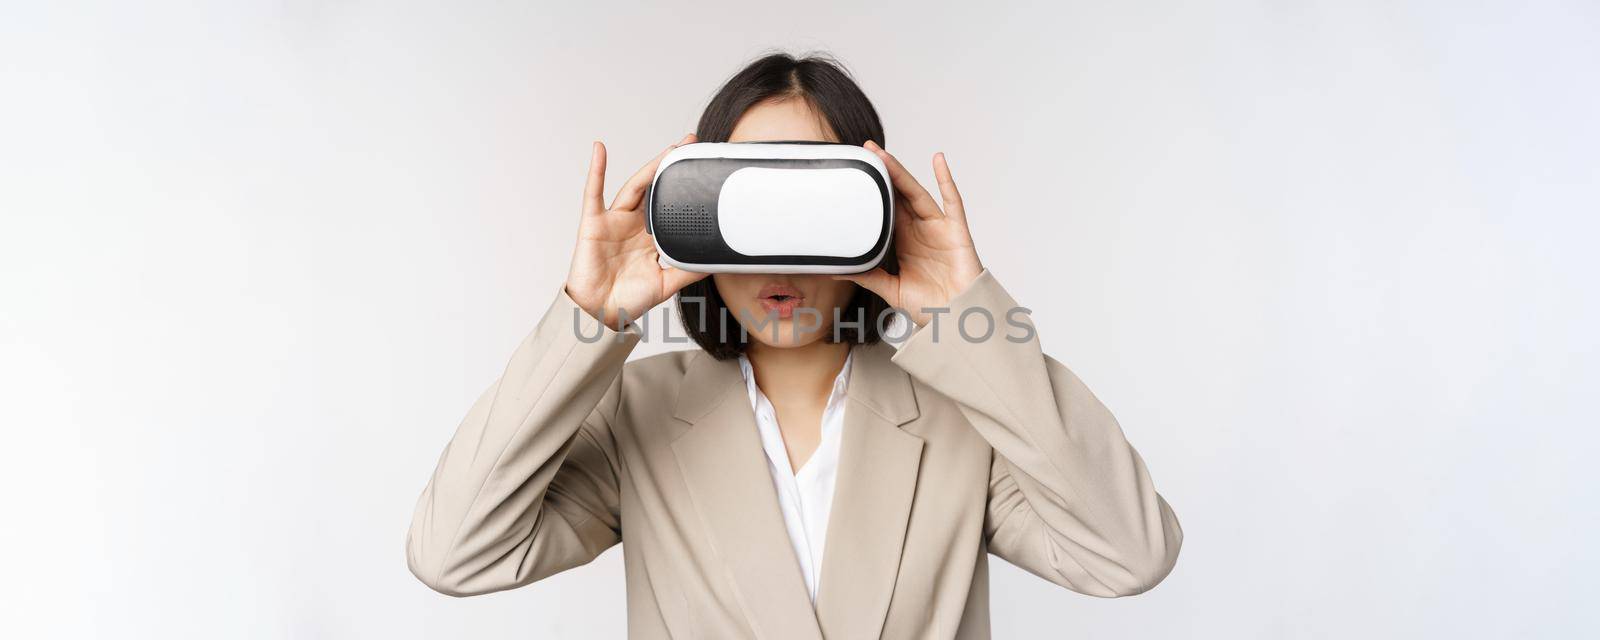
(780, 299)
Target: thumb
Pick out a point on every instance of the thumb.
(673, 279)
(877, 281)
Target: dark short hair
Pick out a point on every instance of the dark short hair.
(826, 85)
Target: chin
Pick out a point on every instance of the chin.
(782, 335)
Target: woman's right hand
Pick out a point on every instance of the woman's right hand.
(615, 269)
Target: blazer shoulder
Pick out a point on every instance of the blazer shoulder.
(651, 384)
(659, 368)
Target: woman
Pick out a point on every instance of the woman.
(790, 481)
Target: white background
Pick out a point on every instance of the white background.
(1332, 264)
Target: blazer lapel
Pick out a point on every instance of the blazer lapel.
(725, 470)
(872, 498)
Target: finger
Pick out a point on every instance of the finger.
(877, 281)
(594, 185)
(673, 279)
(922, 204)
(947, 187)
(632, 192)
(902, 218)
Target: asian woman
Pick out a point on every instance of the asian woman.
(790, 479)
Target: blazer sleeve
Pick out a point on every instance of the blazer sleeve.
(527, 487)
(1069, 499)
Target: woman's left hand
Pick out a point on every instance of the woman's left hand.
(933, 244)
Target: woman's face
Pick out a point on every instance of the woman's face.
(782, 310)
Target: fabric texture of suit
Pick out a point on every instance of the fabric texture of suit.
(952, 449)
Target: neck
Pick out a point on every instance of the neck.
(797, 373)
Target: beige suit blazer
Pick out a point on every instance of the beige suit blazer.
(952, 450)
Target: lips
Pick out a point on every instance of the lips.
(780, 299)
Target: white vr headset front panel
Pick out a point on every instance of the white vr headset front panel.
(781, 212)
(772, 208)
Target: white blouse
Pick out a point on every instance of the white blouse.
(806, 496)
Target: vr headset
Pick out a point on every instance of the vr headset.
(771, 207)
